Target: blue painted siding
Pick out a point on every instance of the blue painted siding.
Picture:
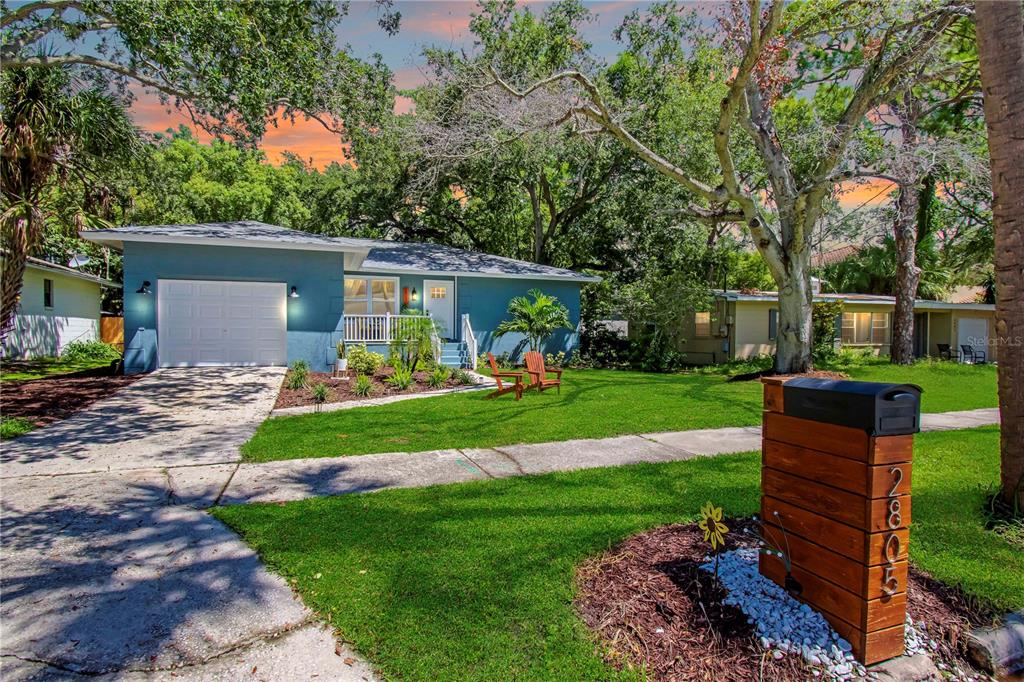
(314, 319)
(486, 300)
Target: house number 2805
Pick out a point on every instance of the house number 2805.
(890, 583)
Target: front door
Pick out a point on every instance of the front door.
(920, 335)
(439, 301)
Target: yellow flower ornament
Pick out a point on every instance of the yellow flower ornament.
(711, 524)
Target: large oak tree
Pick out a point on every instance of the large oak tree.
(781, 207)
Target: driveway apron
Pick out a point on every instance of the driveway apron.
(109, 564)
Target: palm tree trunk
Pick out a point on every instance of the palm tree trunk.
(16, 245)
(1000, 27)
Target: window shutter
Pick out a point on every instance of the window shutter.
(773, 324)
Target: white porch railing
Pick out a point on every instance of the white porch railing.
(469, 338)
(377, 328)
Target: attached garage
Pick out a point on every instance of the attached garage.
(205, 323)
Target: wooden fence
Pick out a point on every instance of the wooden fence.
(112, 331)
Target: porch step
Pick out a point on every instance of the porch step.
(455, 355)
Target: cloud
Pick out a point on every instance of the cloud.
(409, 77)
(437, 19)
(307, 139)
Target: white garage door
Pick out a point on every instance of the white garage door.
(205, 323)
(973, 331)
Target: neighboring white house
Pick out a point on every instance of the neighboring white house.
(58, 305)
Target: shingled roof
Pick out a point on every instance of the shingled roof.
(370, 255)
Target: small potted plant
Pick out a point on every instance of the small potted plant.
(342, 363)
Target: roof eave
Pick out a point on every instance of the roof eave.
(116, 239)
(69, 272)
(463, 273)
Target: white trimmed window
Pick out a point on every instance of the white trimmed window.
(865, 329)
(371, 295)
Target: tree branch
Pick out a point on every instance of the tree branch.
(31, 8)
(598, 113)
(89, 60)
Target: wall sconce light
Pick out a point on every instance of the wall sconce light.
(294, 293)
(144, 289)
(415, 295)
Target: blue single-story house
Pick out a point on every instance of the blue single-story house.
(248, 293)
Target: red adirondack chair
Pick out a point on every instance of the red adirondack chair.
(539, 375)
(503, 387)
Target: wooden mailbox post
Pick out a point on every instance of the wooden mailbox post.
(837, 500)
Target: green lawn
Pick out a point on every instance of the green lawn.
(592, 404)
(39, 368)
(12, 427)
(475, 580)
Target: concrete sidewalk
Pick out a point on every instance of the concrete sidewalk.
(301, 478)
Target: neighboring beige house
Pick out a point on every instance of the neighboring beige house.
(743, 325)
(58, 305)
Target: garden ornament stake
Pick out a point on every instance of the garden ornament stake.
(714, 529)
(772, 548)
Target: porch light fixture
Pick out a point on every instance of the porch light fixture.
(294, 294)
(415, 295)
(144, 289)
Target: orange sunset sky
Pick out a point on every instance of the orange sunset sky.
(425, 23)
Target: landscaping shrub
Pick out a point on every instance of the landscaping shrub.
(602, 347)
(463, 377)
(320, 393)
(363, 386)
(758, 363)
(401, 379)
(655, 353)
(438, 377)
(364, 361)
(298, 377)
(90, 350)
(555, 359)
(848, 358)
(413, 342)
(504, 361)
(825, 318)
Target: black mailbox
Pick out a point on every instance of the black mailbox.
(879, 409)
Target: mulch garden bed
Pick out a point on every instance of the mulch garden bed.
(340, 390)
(653, 608)
(50, 399)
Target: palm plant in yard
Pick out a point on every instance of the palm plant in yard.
(537, 319)
(62, 141)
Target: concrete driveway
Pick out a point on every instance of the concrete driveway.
(111, 569)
